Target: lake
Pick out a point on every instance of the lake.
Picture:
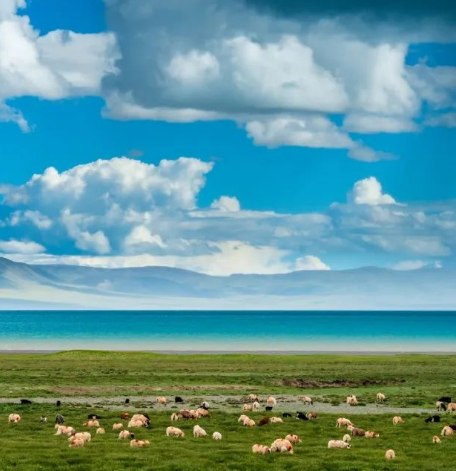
(229, 331)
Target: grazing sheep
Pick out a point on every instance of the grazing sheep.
(436, 439)
(352, 401)
(286, 414)
(100, 431)
(247, 407)
(117, 426)
(447, 431)
(205, 405)
(178, 399)
(390, 455)
(338, 444)
(275, 420)
(92, 423)
(217, 436)
(263, 421)
(433, 418)
(58, 403)
(293, 439)
(139, 420)
(282, 445)
(135, 424)
(253, 398)
(243, 418)
(397, 420)
(193, 414)
(357, 432)
(256, 406)
(271, 401)
(139, 443)
(15, 418)
(59, 419)
(76, 443)
(126, 434)
(301, 416)
(249, 423)
(25, 401)
(174, 432)
(451, 407)
(311, 415)
(346, 438)
(343, 422)
(370, 434)
(203, 412)
(81, 435)
(445, 399)
(175, 417)
(441, 407)
(127, 401)
(64, 430)
(93, 417)
(199, 432)
(161, 401)
(381, 398)
(260, 449)
(307, 400)
(124, 415)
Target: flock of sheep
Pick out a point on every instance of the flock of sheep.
(280, 445)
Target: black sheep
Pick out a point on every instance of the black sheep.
(268, 408)
(301, 416)
(178, 399)
(25, 401)
(433, 418)
(445, 399)
(286, 414)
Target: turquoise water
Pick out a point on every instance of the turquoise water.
(229, 331)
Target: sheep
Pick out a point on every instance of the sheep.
(175, 417)
(199, 432)
(174, 432)
(346, 438)
(440, 406)
(247, 407)
(161, 401)
(338, 444)
(282, 445)
(193, 414)
(117, 426)
(14, 418)
(59, 419)
(357, 432)
(76, 443)
(203, 412)
(343, 422)
(433, 418)
(260, 449)
(82, 436)
(311, 415)
(139, 443)
(293, 439)
(139, 420)
(100, 431)
(253, 398)
(256, 406)
(249, 423)
(205, 405)
(301, 416)
(217, 436)
(381, 397)
(370, 434)
(271, 401)
(243, 418)
(126, 434)
(397, 420)
(307, 400)
(92, 423)
(436, 439)
(135, 424)
(43, 418)
(390, 455)
(447, 431)
(178, 399)
(263, 421)
(275, 420)
(64, 430)
(352, 401)
(451, 407)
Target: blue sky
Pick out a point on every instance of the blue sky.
(293, 145)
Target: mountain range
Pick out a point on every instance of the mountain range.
(25, 286)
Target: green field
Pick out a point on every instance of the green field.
(412, 381)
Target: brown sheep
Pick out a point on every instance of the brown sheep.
(358, 432)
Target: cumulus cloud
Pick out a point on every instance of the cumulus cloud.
(369, 191)
(371, 124)
(24, 247)
(122, 212)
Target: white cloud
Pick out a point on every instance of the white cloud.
(140, 239)
(407, 265)
(227, 204)
(194, 68)
(447, 120)
(370, 124)
(24, 247)
(310, 262)
(369, 191)
(35, 217)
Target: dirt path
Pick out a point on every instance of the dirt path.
(285, 403)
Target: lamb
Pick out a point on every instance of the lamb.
(352, 401)
(390, 455)
(256, 406)
(397, 420)
(260, 449)
(174, 432)
(338, 444)
(346, 438)
(293, 439)
(126, 434)
(217, 436)
(436, 439)
(381, 397)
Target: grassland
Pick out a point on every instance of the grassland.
(407, 380)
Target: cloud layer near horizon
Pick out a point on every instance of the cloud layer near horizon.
(124, 212)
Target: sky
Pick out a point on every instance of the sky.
(249, 136)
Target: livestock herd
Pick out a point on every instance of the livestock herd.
(280, 445)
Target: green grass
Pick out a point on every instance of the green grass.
(407, 380)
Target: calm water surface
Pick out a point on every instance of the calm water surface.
(229, 331)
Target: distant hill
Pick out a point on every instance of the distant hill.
(25, 286)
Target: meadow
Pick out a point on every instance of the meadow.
(411, 381)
